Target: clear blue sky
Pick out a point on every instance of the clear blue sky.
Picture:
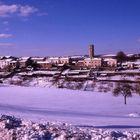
(66, 27)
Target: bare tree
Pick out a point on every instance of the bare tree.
(124, 89)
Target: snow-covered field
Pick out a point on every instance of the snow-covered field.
(81, 108)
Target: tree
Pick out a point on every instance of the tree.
(31, 63)
(124, 89)
(121, 57)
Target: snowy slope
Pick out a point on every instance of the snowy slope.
(76, 107)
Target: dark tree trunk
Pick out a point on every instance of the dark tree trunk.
(125, 100)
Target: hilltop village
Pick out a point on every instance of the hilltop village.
(50, 63)
(76, 68)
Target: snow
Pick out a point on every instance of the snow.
(89, 59)
(65, 71)
(77, 107)
(15, 128)
(134, 115)
(24, 58)
(43, 62)
(39, 72)
(117, 77)
(109, 55)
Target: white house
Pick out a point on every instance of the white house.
(90, 63)
(4, 63)
(54, 60)
(59, 60)
(110, 62)
(64, 60)
(131, 65)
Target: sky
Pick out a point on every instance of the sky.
(68, 27)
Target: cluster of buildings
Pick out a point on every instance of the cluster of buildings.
(76, 62)
(96, 62)
(41, 62)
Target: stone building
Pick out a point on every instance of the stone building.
(91, 51)
(90, 63)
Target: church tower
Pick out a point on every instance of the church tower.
(91, 51)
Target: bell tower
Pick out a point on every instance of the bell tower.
(91, 51)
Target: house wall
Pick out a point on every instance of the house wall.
(59, 60)
(4, 63)
(90, 63)
(45, 65)
(93, 63)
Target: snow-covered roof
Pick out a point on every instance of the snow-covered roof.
(108, 55)
(64, 58)
(8, 56)
(13, 61)
(8, 60)
(37, 58)
(43, 62)
(24, 58)
(89, 59)
(54, 58)
(77, 56)
(110, 59)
